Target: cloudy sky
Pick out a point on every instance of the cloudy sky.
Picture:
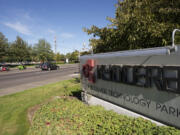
(35, 19)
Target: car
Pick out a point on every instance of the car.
(4, 68)
(21, 67)
(49, 66)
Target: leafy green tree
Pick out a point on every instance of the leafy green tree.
(57, 57)
(62, 57)
(43, 50)
(84, 53)
(33, 55)
(19, 50)
(68, 56)
(137, 24)
(3, 48)
(73, 57)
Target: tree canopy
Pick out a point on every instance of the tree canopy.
(19, 50)
(137, 24)
(43, 50)
(3, 47)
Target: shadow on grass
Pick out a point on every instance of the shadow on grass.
(77, 80)
(77, 94)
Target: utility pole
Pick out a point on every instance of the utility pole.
(84, 47)
(55, 45)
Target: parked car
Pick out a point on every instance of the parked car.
(4, 68)
(21, 67)
(49, 66)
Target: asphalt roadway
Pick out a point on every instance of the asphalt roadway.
(16, 81)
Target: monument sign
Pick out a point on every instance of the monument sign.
(145, 81)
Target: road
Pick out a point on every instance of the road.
(16, 81)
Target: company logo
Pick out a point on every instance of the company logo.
(88, 70)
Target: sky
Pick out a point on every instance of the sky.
(36, 19)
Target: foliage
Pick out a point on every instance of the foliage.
(63, 57)
(3, 48)
(33, 53)
(137, 24)
(74, 56)
(13, 108)
(85, 53)
(57, 57)
(69, 116)
(43, 50)
(19, 50)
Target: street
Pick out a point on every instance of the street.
(12, 82)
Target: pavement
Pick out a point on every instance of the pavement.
(30, 69)
(15, 81)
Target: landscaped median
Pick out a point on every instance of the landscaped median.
(59, 111)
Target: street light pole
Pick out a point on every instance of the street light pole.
(173, 34)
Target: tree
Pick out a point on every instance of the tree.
(68, 56)
(85, 53)
(74, 56)
(19, 50)
(137, 24)
(43, 50)
(58, 57)
(63, 57)
(33, 55)
(3, 48)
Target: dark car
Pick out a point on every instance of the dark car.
(49, 66)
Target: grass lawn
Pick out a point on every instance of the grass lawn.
(13, 108)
